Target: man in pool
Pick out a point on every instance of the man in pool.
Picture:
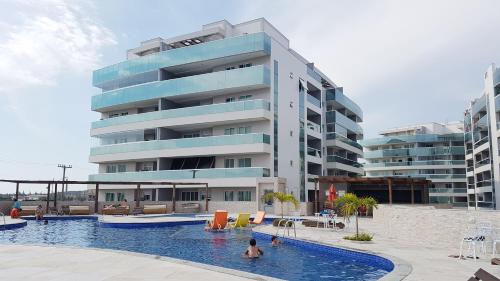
(275, 241)
(253, 251)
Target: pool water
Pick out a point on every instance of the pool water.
(191, 242)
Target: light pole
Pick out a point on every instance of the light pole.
(64, 167)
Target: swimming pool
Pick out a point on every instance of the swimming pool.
(190, 242)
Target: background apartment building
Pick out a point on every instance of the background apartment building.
(230, 105)
(433, 151)
(482, 124)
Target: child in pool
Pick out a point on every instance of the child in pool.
(253, 251)
(275, 241)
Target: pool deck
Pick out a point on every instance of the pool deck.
(422, 263)
(19, 262)
(12, 223)
(147, 219)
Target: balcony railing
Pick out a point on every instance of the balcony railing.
(410, 139)
(415, 163)
(236, 79)
(338, 96)
(314, 100)
(251, 172)
(447, 190)
(483, 183)
(313, 152)
(342, 160)
(248, 43)
(336, 117)
(184, 112)
(314, 127)
(415, 152)
(483, 162)
(335, 136)
(181, 143)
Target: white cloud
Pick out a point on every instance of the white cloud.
(52, 38)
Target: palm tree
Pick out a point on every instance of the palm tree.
(350, 204)
(282, 198)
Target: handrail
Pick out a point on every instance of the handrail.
(4, 223)
(286, 228)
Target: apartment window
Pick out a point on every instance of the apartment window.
(244, 65)
(230, 131)
(189, 196)
(244, 195)
(230, 99)
(245, 97)
(111, 169)
(122, 168)
(245, 162)
(228, 196)
(120, 196)
(244, 130)
(191, 135)
(229, 163)
(110, 197)
(248, 65)
(149, 166)
(230, 67)
(122, 140)
(124, 113)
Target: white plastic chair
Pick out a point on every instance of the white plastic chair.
(474, 236)
(495, 241)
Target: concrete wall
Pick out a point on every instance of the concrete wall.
(430, 227)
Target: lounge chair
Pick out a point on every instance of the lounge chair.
(155, 209)
(242, 220)
(79, 210)
(483, 275)
(28, 210)
(259, 218)
(121, 210)
(219, 222)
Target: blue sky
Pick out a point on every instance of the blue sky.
(403, 62)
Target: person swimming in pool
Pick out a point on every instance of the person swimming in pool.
(253, 251)
(275, 241)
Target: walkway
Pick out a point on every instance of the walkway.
(428, 263)
(18, 262)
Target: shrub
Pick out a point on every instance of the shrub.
(360, 237)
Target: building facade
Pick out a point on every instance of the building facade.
(433, 151)
(230, 105)
(482, 124)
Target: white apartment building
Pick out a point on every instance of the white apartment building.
(482, 125)
(230, 105)
(433, 151)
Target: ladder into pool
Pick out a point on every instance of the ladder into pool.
(289, 223)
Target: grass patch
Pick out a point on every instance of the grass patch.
(360, 237)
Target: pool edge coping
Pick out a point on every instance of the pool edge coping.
(402, 268)
(214, 268)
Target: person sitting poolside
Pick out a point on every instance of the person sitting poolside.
(39, 213)
(275, 241)
(253, 251)
(124, 203)
(17, 204)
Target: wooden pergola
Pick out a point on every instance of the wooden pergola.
(411, 183)
(98, 183)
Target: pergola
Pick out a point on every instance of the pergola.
(138, 185)
(410, 183)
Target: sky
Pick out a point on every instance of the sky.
(403, 62)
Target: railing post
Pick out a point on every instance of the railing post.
(206, 197)
(17, 191)
(173, 198)
(55, 195)
(48, 195)
(96, 199)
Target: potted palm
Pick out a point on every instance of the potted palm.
(282, 198)
(350, 205)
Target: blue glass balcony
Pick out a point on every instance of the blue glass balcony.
(478, 105)
(338, 159)
(184, 112)
(335, 136)
(250, 43)
(338, 96)
(237, 79)
(180, 143)
(342, 120)
(416, 163)
(429, 138)
(496, 77)
(415, 152)
(251, 172)
(314, 101)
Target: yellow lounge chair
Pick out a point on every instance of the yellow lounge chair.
(219, 222)
(259, 218)
(242, 220)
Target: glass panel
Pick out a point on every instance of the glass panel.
(248, 43)
(336, 117)
(314, 100)
(338, 96)
(181, 143)
(221, 80)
